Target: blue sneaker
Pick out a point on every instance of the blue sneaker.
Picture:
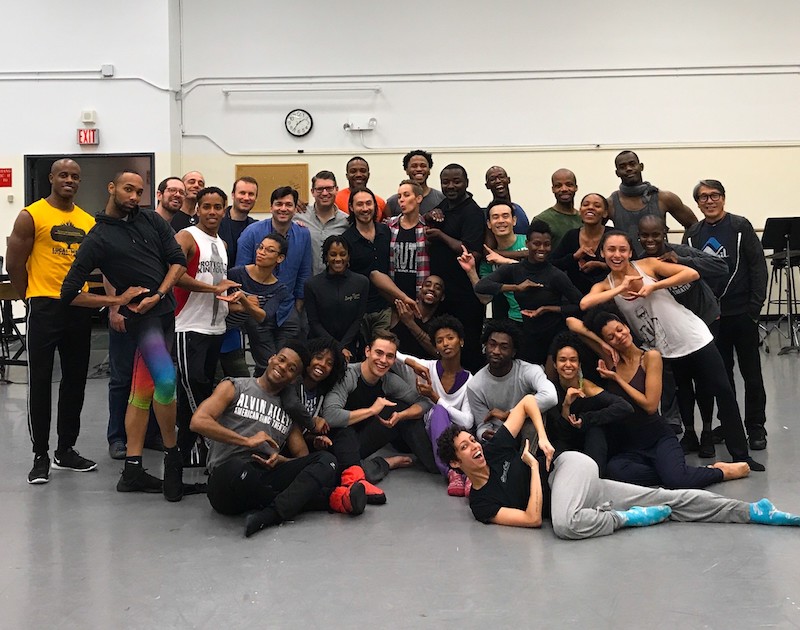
(764, 513)
(643, 516)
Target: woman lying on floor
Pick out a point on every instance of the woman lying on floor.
(514, 490)
(643, 449)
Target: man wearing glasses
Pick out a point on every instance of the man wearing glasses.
(170, 195)
(733, 238)
(637, 198)
(324, 219)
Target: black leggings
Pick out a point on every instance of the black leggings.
(706, 368)
(240, 485)
(662, 464)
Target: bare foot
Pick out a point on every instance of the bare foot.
(404, 461)
(736, 470)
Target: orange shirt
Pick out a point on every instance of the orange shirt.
(343, 198)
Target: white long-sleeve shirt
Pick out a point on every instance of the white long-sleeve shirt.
(456, 403)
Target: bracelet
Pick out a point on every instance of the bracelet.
(161, 295)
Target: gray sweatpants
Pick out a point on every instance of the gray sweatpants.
(583, 505)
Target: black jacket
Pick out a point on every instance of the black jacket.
(136, 252)
(746, 289)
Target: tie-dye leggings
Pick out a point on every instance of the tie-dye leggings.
(153, 371)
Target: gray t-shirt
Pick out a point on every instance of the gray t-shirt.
(486, 392)
(251, 410)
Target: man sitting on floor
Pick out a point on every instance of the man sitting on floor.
(247, 423)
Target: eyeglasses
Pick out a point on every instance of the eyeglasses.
(175, 191)
(711, 196)
(325, 189)
(268, 250)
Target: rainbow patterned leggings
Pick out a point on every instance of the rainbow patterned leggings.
(153, 376)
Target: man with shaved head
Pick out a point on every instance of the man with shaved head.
(562, 217)
(637, 198)
(45, 239)
(193, 181)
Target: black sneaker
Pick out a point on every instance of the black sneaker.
(757, 439)
(40, 473)
(137, 479)
(71, 460)
(173, 476)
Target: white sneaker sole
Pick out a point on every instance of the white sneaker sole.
(58, 467)
(38, 481)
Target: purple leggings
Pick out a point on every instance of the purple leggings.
(439, 421)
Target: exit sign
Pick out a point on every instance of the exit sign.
(88, 136)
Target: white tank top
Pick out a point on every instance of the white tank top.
(662, 323)
(203, 312)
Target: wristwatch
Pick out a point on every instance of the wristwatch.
(160, 295)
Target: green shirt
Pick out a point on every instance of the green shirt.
(486, 268)
(559, 223)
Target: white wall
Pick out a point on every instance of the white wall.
(703, 88)
(50, 58)
(472, 74)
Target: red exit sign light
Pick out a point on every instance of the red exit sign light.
(88, 136)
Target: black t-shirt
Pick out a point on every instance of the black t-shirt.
(404, 255)
(368, 256)
(509, 482)
(182, 220)
(719, 239)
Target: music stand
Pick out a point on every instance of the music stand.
(782, 235)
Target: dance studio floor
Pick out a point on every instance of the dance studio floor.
(76, 554)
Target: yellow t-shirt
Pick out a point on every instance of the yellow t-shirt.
(58, 235)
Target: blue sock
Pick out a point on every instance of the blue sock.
(764, 513)
(644, 516)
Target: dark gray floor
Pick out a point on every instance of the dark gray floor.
(79, 555)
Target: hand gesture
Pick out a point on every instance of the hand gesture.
(531, 312)
(224, 285)
(391, 421)
(466, 260)
(321, 442)
(575, 421)
(611, 355)
(232, 298)
(603, 371)
(527, 456)
(424, 388)
(145, 305)
(493, 257)
(380, 404)
(527, 284)
(270, 462)
(572, 394)
(583, 252)
(548, 451)
(420, 370)
(436, 215)
(646, 290)
(301, 206)
(404, 312)
(629, 287)
(262, 437)
(587, 266)
(433, 234)
(320, 425)
(348, 356)
(131, 292)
